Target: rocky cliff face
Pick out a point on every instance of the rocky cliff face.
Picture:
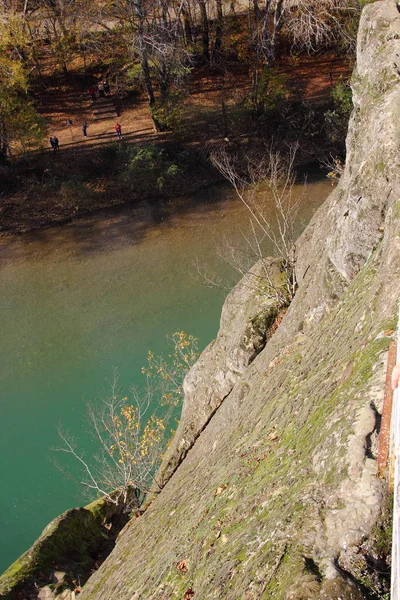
(271, 486)
(246, 321)
(65, 554)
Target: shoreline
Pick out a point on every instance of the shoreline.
(36, 216)
(23, 213)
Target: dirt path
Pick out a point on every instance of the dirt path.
(312, 76)
(36, 204)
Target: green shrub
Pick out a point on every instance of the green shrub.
(172, 114)
(342, 97)
(134, 78)
(73, 193)
(337, 119)
(149, 169)
(272, 90)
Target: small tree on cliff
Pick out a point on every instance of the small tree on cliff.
(132, 431)
(265, 186)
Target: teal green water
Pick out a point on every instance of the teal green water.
(80, 300)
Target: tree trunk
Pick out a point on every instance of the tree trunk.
(164, 69)
(140, 14)
(187, 27)
(59, 55)
(163, 81)
(224, 116)
(205, 29)
(4, 145)
(35, 55)
(257, 11)
(147, 80)
(219, 28)
(278, 22)
(150, 92)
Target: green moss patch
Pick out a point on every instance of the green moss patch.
(71, 543)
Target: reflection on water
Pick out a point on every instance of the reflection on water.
(79, 300)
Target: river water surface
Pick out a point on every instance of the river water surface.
(78, 301)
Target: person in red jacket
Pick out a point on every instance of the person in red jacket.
(118, 131)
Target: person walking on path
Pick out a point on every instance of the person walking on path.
(106, 88)
(100, 87)
(69, 124)
(84, 129)
(118, 131)
(54, 144)
(92, 94)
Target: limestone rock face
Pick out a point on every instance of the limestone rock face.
(72, 537)
(349, 226)
(279, 486)
(62, 558)
(246, 318)
(372, 144)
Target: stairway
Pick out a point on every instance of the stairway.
(104, 108)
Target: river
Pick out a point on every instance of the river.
(78, 301)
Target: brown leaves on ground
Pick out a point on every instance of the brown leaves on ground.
(182, 566)
(276, 323)
(188, 594)
(220, 489)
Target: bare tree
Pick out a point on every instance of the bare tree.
(156, 36)
(130, 432)
(309, 24)
(269, 23)
(315, 24)
(185, 16)
(266, 190)
(128, 452)
(264, 33)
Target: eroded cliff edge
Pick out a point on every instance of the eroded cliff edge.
(271, 480)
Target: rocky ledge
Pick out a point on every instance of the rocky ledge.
(271, 489)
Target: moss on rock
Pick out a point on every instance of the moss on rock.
(74, 543)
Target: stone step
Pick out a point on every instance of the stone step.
(108, 115)
(102, 109)
(103, 101)
(110, 111)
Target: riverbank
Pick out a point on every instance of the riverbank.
(95, 172)
(110, 177)
(72, 186)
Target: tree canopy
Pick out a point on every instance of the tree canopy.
(157, 42)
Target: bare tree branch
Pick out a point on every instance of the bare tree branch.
(131, 436)
(267, 193)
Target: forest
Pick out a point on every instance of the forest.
(194, 74)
